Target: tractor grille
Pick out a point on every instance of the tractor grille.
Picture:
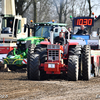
(11, 60)
(53, 55)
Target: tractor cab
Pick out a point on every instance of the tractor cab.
(12, 27)
(42, 30)
(7, 25)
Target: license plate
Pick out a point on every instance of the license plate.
(51, 65)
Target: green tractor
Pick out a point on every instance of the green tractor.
(18, 58)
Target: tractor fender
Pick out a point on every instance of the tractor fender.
(73, 43)
(45, 42)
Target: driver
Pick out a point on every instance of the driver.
(59, 39)
(82, 31)
(11, 25)
(45, 39)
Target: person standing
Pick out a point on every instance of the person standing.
(66, 33)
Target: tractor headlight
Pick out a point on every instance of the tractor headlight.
(23, 42)
(57, 58)
(50, 58)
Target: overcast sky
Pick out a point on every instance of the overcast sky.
(96, 9)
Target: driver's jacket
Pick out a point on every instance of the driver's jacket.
(59, 40)
(81, 32)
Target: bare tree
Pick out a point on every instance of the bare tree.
(46, 10)
(92, 6)
(22, 6)
(0, 3)
(35, 10)
(60, 5)
(44, 7)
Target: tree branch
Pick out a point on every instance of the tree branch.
(56, 7)
(27, 7)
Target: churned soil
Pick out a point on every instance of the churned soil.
(16, 86)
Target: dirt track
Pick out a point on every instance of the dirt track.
(15, 86)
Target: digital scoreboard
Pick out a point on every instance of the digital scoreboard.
(86, 21)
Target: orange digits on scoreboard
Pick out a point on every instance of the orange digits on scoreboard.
(90, 22)
(84, 21)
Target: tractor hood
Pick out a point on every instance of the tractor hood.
(14, 57)
(35, 40)
(29, 38)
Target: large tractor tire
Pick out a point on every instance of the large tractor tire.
(30, 51)
(43, 59)
(73, 63)
(43, 56)
(36, 57)
(33, 71)
(76, 50)
(39, 48)
(86, 63)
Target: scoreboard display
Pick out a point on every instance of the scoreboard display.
(86, 21)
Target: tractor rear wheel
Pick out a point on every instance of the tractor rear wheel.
(73, 64)
(30, 51)
(33, 71)
(86, 62)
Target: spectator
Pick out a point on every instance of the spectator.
(45, 39)
(66, 33)
(82, 31)
(59, 39)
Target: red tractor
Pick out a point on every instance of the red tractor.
(71, 59)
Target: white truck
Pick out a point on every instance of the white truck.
(11, 28)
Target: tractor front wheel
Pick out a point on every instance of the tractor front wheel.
(30, 51)
(34, 72)
(86, 63)
(73, 64)
(43, 59)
